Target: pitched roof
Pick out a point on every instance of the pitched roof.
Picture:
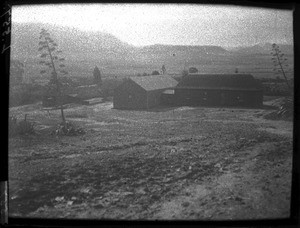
(220, 81)
(155, 82)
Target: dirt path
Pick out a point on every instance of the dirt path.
(187, 163)
(240, 192)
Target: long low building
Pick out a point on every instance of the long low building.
(219, 89)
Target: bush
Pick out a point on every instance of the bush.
(68, 129)
(193, 70)
(155, 72)
(20, 128)
(286, 110)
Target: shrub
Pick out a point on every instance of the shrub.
(67, 128)
(286, 109)
(193, 70)
(20, 128)
(155, 72)
(284, 112)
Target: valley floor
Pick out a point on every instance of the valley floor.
(168, 163)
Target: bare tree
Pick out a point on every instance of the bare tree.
(47, 47)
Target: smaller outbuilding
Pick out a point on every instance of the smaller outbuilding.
(142, 92)
(79, 95)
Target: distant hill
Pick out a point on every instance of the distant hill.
(175, 53)
(263, 48)
(184, 48)
(77, 45)
(84, 50)
(73, 42)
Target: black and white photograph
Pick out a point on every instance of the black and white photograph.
(150, 112)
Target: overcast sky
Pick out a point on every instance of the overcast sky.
(177, 24)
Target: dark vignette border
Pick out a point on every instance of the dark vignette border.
(293, 221)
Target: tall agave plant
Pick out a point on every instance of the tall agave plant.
(280, 63)
(53, 64)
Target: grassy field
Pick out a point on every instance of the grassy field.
(260, 66)
(167, 163)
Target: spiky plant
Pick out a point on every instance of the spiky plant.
(54, 65)
(280, 63)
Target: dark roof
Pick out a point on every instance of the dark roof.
(220, 81)
(155, 82)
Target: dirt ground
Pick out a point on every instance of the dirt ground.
(168, 163)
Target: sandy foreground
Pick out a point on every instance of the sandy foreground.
(168, 163)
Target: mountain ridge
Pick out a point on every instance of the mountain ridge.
(82, 45)
(261, 48)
